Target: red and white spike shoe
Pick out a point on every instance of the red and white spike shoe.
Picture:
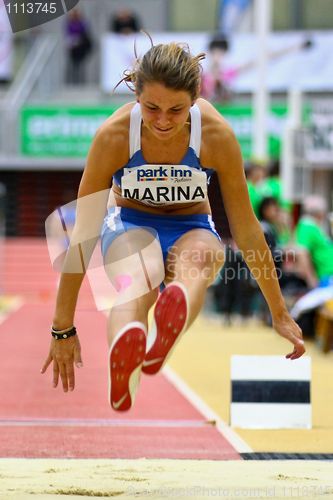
(169, 324)
(126, 356)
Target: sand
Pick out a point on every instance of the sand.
(157, 479)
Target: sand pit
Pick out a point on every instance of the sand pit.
(156, 479)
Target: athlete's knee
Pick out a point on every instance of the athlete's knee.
(141, 303)
(203, 256)
(199, 262)
(136, 279)
(154, 269)
(140, 261)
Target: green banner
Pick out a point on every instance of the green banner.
(60, 131)
(241, 119)
(67, 131)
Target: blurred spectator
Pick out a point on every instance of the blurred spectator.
(271, 186)
(217, 80)
(124, 22)
(269, 217)
(318, 249)
(293, 268)
(255, 175)
(289, 264)
(79, 46)
(235, 290)
(311, 235)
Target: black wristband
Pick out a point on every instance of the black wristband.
(63, 334)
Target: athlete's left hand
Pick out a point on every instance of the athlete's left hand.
(64, 354)
(287, 328)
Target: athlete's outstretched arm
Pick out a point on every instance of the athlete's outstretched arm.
(107, 154)
(247, 233)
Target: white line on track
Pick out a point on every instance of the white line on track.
(100, 422)
(227, 432)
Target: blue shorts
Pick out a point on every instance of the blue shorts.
(167, 229)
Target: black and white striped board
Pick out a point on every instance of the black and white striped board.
(270, 392)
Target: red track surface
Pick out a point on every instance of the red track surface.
(39, 421)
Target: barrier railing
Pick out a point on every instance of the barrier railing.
(40, 75)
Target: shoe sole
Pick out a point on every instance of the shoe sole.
(170, 317)
(125, 362)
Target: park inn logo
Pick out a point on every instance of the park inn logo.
(164, 184)
(162, 173)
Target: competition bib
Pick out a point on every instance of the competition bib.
(164, 184)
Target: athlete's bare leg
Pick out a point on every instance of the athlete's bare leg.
(191, 267)
(135, 267)
(195, 260)
(144, 265)
(136, 310)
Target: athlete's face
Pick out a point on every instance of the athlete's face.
(164, 111)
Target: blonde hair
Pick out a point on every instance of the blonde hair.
(171, 64)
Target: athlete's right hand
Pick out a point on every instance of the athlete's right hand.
(64, 354)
